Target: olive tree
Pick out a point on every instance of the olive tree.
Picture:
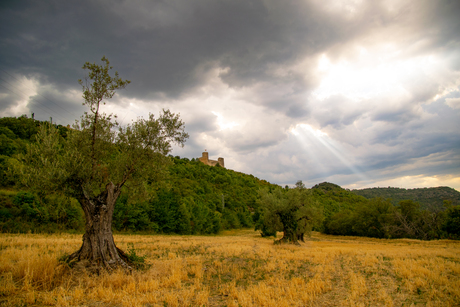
(291, 211)
(97, 159)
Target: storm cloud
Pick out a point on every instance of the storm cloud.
(359, 93)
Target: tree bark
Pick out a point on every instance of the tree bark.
(289, 236)
(301, 237)
(289, 227)
(98, 250)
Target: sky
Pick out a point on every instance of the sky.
(357, 93)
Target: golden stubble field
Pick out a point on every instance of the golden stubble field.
(236, 268)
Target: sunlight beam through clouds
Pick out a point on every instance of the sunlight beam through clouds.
(323, 143)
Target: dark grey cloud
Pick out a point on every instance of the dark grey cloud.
(441, 22)
(406, 143)
(401, 114)
(162, 43)
(282, 97)
(57, 104)
(339, 111)
(259, 59)
(163, 46)
(201, 122)
(10, 93)
(390, 137)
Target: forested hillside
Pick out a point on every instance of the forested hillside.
(189, 197)
(426, 197)
(194, 198)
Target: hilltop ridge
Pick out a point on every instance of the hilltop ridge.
(427, 197)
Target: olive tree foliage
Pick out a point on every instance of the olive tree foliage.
(291, 211)
(97, 159)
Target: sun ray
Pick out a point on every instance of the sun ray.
(308, 137)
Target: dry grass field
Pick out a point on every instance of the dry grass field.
(236, 268)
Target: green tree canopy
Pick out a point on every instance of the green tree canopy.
(97, 159)
(291, 211)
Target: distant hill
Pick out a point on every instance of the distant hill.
(426, 197)
(333, 198)
(327, 186)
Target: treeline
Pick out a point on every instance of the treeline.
(22, 212)
(332, 210)
(190, 198)
(194, 198)
(428, 198)
(379, 218)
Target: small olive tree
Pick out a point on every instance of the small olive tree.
(290, 211)
(97, 159)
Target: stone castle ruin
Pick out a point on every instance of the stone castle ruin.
(205, 159)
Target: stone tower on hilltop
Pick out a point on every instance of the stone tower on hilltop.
(205, 159)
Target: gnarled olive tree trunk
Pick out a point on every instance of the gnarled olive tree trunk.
(98, 249)
(289, 222)
(294, 229)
